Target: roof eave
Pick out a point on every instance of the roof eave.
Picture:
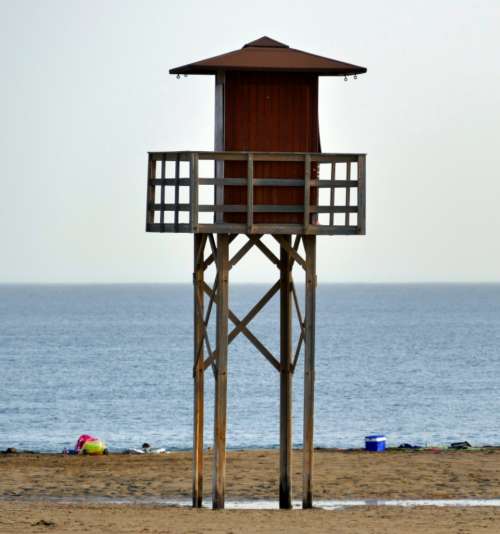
(205, 70)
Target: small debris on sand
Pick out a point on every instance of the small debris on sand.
(44, 523)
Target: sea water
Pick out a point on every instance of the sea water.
(418, 363)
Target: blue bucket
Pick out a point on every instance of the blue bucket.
(375, 443)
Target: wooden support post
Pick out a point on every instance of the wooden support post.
(219, 467)
(199, 245)
(285, 487)
(310, 320)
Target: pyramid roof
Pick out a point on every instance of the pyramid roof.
(266, 54)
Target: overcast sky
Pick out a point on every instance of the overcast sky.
(85, 93)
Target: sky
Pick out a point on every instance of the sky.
(85, 93)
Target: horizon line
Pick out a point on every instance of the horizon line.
(387, 283)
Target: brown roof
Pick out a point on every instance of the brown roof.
(267, 54)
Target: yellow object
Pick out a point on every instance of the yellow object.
(93, 447)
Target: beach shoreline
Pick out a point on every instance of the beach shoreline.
(32, 486)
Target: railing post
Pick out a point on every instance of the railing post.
(249, 193)
(193, 175)
(176, 196)
(347, 191)
(362, 194)
(150, 197)
(162, 194)
(332, 192)
(307, 192)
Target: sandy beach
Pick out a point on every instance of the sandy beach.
(32, 485)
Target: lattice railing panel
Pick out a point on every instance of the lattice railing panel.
(182, 197)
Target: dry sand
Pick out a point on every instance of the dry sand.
(28, 482)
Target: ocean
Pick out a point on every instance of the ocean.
(417, 363)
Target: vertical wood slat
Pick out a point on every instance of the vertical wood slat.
(150, 195)
(309, 364)
(162, 193)
(307, 191)
(362, 194)
(347, 190)
(219, 136)
(197, 492)
(332, 193)
(250, 193)
(193, 176)
(285, 485)
(219, 465)
(176, 194)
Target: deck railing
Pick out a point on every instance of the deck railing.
(178, 202)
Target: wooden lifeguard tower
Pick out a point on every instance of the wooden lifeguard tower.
(268, 178)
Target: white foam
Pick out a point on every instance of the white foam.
(340, 504)
(257, 504)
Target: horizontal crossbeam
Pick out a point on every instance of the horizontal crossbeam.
(257, 208)
(261, 182)
(324, 157)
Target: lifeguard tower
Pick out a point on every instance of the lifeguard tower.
(269, 177)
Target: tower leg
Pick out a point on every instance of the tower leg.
(198, 372)
(219, 467)
(285, 489)
(310, 325)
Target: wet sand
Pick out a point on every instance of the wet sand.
(33, 518)
(28, 482)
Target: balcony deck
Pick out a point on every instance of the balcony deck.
(181, 197)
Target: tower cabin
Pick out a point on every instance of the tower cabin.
(269, 176)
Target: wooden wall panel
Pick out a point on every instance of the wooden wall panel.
(270, 111)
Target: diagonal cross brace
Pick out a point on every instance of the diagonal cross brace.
(204, 336)
(297, 351)
(201, 251)
(246, 332)
(254, 311)
(291, 250)
(211, 258)
(241, 253)
(265, 250)
(302, 327)
(297, 307)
